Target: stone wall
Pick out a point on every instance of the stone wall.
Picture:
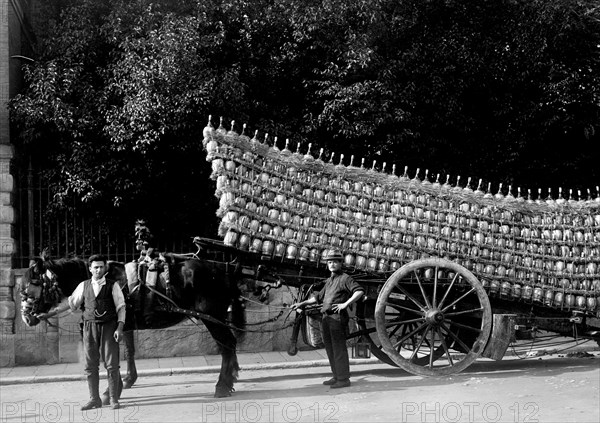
(191, 337)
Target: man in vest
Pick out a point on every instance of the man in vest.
(339, 292)
(103, 306)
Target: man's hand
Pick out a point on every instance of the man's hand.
(51, 313)
(118, 334)
(302, 304)
(339, 307)
(44, 316)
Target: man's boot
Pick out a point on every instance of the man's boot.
(114, 388)
(105, 397)
(106, 394)
(95, 401)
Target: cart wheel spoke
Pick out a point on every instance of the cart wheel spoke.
(435, 285)
(431, 355)
(456, 338)
(404, 322)
(427, 303)
(418, 346)
(410, 297)
(446, 350)
(398, 326)
(398, 306)
(410, 334)
(456, 276)
(428, 343)
(458, 299)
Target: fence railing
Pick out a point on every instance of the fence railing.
(73, 232)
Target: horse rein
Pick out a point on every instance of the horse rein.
(174, 308)
(30, 304)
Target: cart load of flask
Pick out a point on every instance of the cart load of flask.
(296, 206)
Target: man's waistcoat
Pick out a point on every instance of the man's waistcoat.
(99, 308)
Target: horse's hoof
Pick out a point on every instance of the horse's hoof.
(128, 382)
(222, 392)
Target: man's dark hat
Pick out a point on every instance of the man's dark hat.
(334, 255)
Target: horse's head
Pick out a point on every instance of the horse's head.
(35, 284)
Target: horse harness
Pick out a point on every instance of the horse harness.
(162, 263)
(50, 292)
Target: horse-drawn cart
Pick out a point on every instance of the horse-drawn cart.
(449, 271)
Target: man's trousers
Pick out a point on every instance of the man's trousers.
(334, 329)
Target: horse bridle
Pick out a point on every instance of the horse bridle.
(48, 285)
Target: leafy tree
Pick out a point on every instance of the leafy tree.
(120, 91)
(503, 90)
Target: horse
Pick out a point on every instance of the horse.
(188, 286)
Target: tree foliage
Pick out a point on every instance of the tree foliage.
(505, 90)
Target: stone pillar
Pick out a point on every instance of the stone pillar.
(7, 245)
(7, 215)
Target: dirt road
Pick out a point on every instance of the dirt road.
(548, 389)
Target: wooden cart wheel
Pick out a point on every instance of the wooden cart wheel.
(365, 314)
(433, 317)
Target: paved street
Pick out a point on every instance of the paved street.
(552, 388)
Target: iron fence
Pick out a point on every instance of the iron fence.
(72, 232)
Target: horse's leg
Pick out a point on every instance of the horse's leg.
(229, 362)
(132, 375)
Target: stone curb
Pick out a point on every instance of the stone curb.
(183, 370)
(264, 366)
